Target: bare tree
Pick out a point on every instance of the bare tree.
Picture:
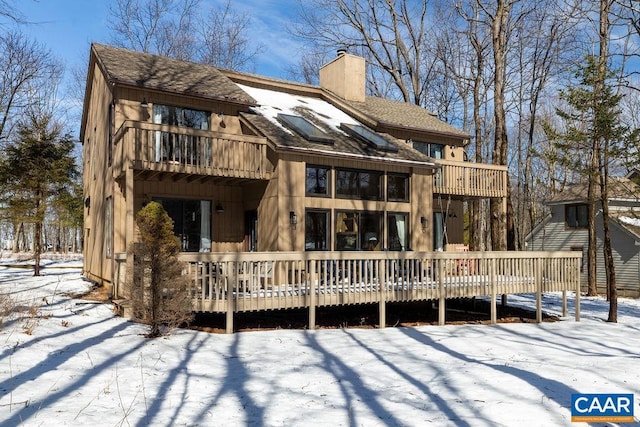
(162, 27)
(223, 40)
(26, 69)
(391, 35)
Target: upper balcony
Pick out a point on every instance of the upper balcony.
(470, 179)
(187, 153)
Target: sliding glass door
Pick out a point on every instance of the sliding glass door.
(191, 222)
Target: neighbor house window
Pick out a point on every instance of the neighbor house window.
(358, 231)
(576, 216)
(179, 147)
(397, 188)
(316, 230)
(191, 222)
(398, 236)
(355, 184)
(317, 181)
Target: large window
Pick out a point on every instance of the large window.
(358, 231)
(191, 222)
(354, 184)
(397, 188)
(181, 148)
(576, 216)
(316, 230)
(318, 181)
(398, 235)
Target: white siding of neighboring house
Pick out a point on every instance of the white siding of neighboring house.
(553, 235)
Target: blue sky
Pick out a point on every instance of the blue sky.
(68, 27)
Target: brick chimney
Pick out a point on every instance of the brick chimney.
(344, 76)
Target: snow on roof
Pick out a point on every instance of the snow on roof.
(271, 103)
(629, 221)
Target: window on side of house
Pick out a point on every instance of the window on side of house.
(433, 150)
(181, 148)
(191, 222)
(108, 227)
(576, 216)
(316, 230)
(353, 184)
(397, 188)
(358, 231)
(318, 181)
(398, 231)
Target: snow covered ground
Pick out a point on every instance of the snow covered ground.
(80, 365)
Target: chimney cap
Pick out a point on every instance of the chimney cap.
(341, 51)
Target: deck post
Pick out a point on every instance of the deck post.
(494, 292)
(564, 303)
(229, 318)
(312, 294)
(382, 290)
(539, 283)
(577, 280)
(442, 303)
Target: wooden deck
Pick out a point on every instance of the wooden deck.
(162, 149)
(470, 179)
(237, 282)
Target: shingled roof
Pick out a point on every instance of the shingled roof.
(132, 68)
(405, 114)
(620, 188)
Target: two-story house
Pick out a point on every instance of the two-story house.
(287, 195)
(248, 163)
(566, 228)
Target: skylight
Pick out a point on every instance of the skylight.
(305, 128)
(371, 138)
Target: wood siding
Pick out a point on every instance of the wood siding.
(555, 236)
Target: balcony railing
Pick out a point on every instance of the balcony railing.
(235, 282)
(470, 179)
(172, 149)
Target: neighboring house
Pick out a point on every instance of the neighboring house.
(247, 163)
(565, 228)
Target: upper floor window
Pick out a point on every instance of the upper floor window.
(365, 185)
(177, 116)
(397, 188)
(317, 181)
(576, 216)
(435, 151)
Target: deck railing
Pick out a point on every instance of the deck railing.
(236, 282)
(470, 179)
(164, 148)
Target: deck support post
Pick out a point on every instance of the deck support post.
(312, 295)
(539, 282)
(494, 296)
(577, 280)
(229, 318)
(382, 290)
(442, 302)
(564, 304)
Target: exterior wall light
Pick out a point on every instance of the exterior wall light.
(219, 208)
(423, 222)
(293, 218)
(144, 103)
